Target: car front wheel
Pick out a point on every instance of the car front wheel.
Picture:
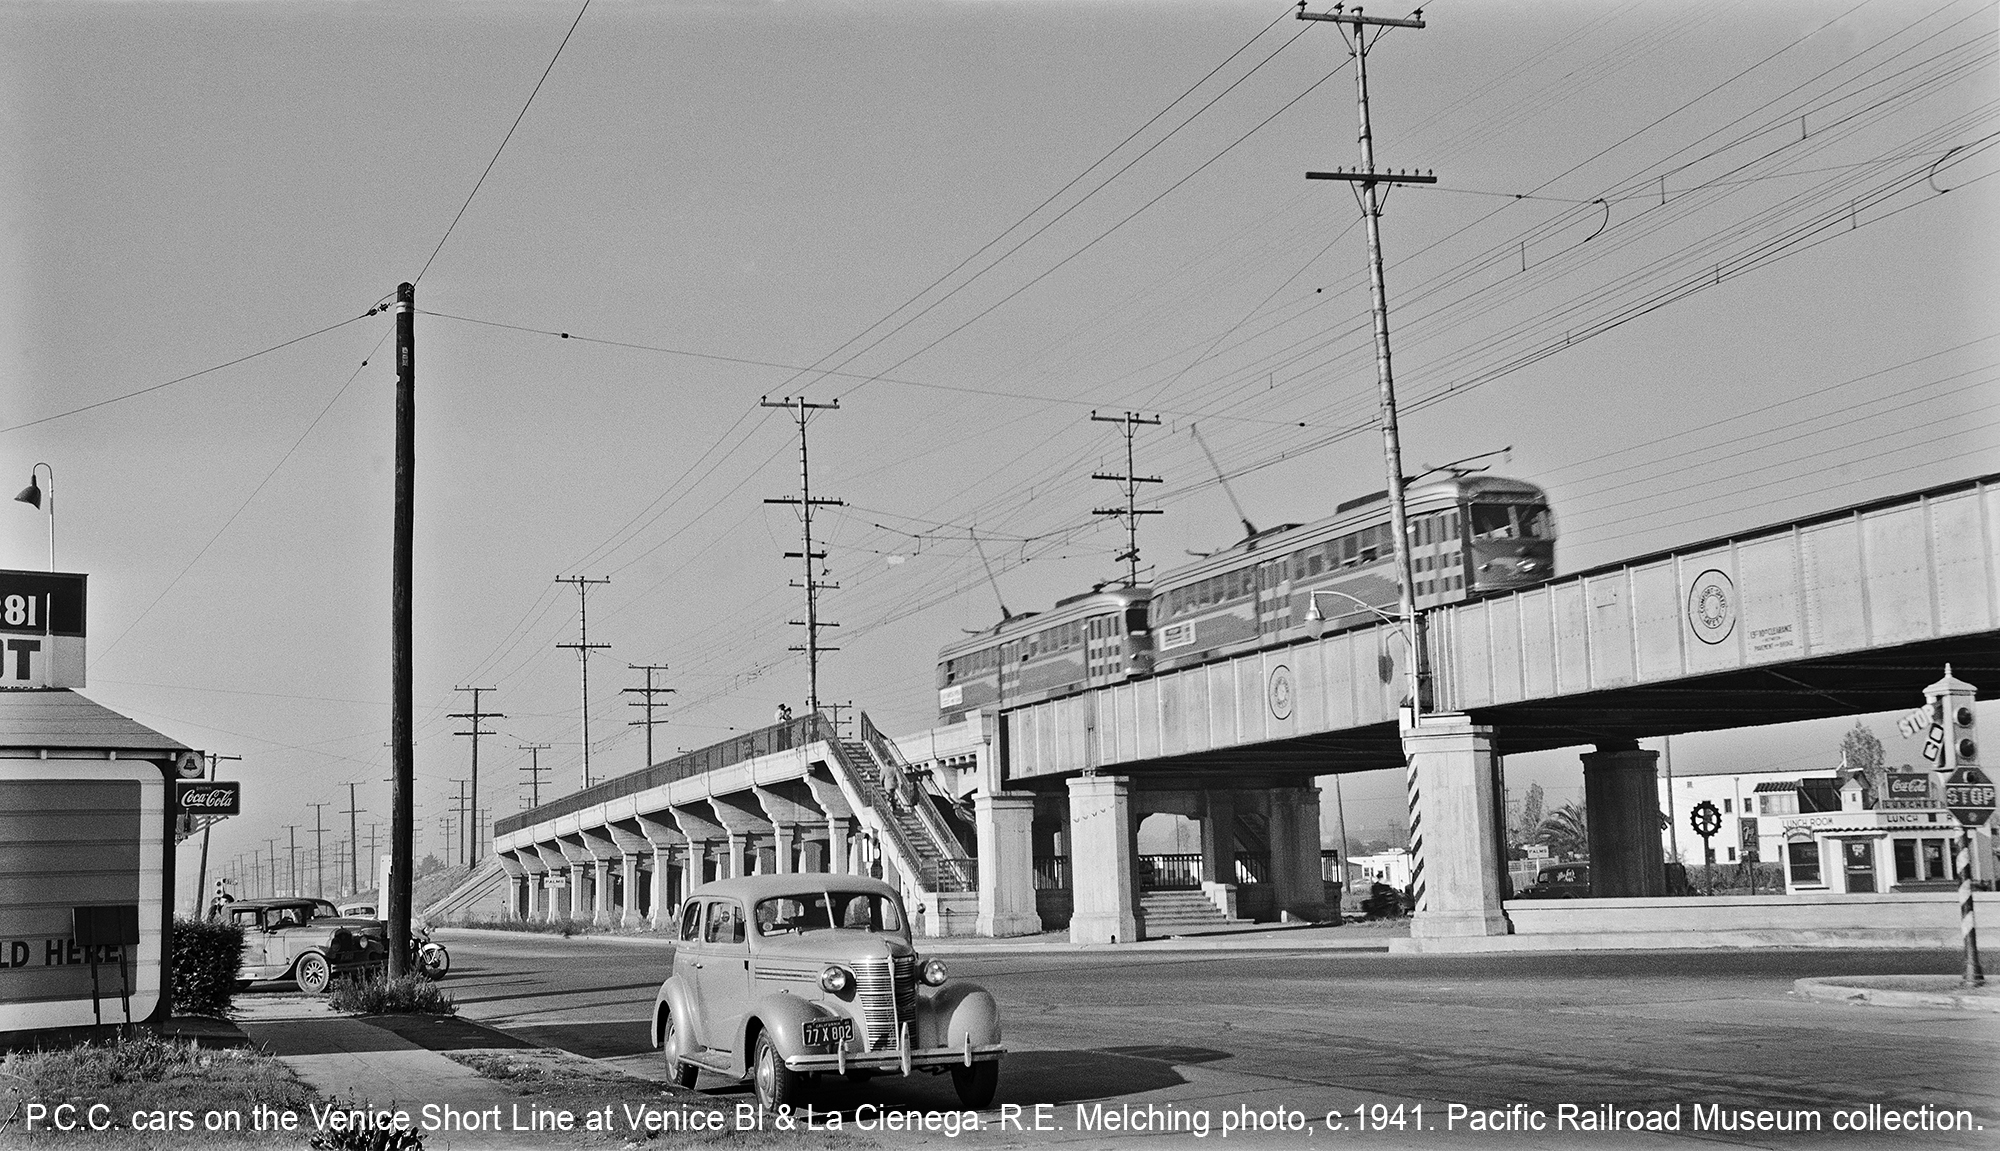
(975, 1084)
(679, 1073)
(313, 974)
(775, 1084)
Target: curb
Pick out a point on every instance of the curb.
(1270, 939)
(1933, 991)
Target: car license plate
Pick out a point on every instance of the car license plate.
(820, 1032)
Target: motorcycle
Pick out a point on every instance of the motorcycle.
(1383, 902)
(428, 957)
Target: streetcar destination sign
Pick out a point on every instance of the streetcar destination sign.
(1969, 795)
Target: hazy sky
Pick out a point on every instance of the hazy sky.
(1702, 266)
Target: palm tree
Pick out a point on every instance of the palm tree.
(1566, 831)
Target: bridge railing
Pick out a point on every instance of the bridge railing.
(763, 741)
(1170, 872)
(1051, 873)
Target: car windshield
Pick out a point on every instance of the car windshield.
(823, 910)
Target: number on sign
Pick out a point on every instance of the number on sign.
(20, 611)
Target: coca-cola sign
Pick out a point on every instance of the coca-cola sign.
(201, 797)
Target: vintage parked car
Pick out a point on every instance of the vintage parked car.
(780, 979)
(306, 940)
(1559, 881)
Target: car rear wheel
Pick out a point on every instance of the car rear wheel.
(975, 1084)
(776, 1085)
(313, 974)
(679, 1073)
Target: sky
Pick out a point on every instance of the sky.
(1694, 268)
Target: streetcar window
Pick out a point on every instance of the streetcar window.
(1135, 618)
(1538, 523)
(1451, 526)
(1494, 522)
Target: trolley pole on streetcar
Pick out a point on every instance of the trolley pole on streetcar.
(1369, 183)
(812, 585)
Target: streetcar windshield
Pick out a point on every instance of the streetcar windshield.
(1511, 522)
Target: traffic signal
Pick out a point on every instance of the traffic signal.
(1961, 748)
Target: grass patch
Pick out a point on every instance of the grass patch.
(144, 1073)
(410, 994)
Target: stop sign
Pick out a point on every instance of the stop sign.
(1969, 795)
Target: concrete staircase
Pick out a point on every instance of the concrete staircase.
(938, 867)
(1183, 913)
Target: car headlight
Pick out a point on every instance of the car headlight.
(934, 972)
(835, 980)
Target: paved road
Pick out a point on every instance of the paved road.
(1196, 1035)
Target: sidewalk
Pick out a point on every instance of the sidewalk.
(1939, 991)
(363, 1061)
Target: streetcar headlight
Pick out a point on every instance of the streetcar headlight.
(835, 980)
(934, 972)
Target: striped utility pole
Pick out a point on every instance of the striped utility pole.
(1370, 184)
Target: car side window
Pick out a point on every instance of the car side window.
(691, 923)
(245, 917)
(725, 922)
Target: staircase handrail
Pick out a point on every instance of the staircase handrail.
(889, 758)
(868, 797)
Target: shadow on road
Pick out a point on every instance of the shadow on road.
(1026, 1078)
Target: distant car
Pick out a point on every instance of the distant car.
(305, 940)
(359, 911)
(1559, 881)
(780, 979)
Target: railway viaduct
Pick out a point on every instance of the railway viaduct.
(1843, 613)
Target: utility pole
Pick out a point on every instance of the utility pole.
(1129, 483)
(1369, 183)
(271, 865)
(812, 585)
(319, 852)
(353, 842)
(372, 857)
(201, 874)
(645, 700)
(583, 647)
(475, 715)
(534, 770)
(402, 667)
(461, 811)
(292, 858)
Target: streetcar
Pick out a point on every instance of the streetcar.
(1469, 535)
(1101, 636)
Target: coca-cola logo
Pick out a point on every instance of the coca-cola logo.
(210, 798)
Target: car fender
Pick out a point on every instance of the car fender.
(296, 959)
(675, 997)
(783, 1016)
(954, 1013)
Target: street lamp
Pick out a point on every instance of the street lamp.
(32, 494)
(1314, 615)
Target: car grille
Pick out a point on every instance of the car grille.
(886, 989)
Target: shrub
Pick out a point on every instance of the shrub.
(204, 968)
(410, 994)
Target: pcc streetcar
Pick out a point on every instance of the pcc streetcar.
(1469, 535)
(1099, 637)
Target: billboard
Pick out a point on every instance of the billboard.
(41, 629)
(82, 854)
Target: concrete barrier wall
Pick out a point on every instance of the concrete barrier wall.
(1925, 911)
